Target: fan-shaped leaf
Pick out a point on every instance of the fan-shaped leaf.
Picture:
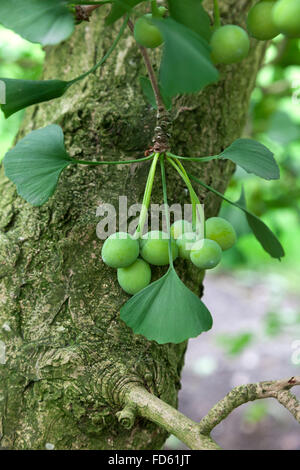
(166, 311)
(22, 93)
(186, 66)
(261, 231)
(36, 162)
(192, 14)
(254, 157)
(44, 21)
(119, 8)
(19, 94)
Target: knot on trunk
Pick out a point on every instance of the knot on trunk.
(162, 131)
(114, 380)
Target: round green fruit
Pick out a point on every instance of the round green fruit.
(260, 23)
(155, 248)
(162, 11)
(146, 33)
(179, 227)
(185, 243)
(120, 250)
(221, 231)
(206, 254)
(229, 44)
(286, 17)
(135, 277)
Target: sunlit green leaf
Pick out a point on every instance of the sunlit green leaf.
(186, 66)
(23, 93)
(149, 93)
(44, 21)
(192, 14)
(36, 162)
(166, 311)
(263, 234)
(261, 231)
(254, 157)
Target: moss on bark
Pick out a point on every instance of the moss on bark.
(67, 354)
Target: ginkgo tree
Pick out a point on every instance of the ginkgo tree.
(61, 164)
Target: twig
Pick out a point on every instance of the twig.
(152, 76)
(238, 396)
(290, 402)
(83, 12)
(162, 130)
(136, 400)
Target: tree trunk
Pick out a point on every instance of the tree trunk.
(65, 354)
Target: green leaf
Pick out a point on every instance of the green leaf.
(44, 21)
(191, 14)
(166, 311)
(263, 234)
(36, 162)
(186, 65)
(119, 8)
(23, 93)
(254, 157)
(149, 94)
(261, 231)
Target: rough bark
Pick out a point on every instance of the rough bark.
(67, 354)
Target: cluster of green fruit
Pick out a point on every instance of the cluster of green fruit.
(269, 18)
(230, 43)
(265, 21)
(121, 250)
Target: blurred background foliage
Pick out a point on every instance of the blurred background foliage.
(18, 59)
(274, 120)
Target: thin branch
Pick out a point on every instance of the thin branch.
(164, 123)
(90, 8)
(167, 417)
(238, 396)
(290, 402)
(137, 400)
(151, 73)
(83, 12)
